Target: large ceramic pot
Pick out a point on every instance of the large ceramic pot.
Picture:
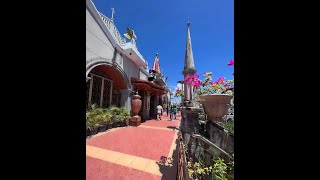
(216, 105)
(136, 104)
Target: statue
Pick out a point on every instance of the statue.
(112, 13)
(130, 34)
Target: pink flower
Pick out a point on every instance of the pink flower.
(207, 74)
(197, 83)
(213, 83)
(231, 63)
(227, 86)
(220, 80)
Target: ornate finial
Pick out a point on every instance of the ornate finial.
(112, 13)
(157, 54)
(188, 21)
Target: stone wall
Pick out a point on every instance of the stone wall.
(220, 137)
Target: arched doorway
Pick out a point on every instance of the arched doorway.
(105, 85)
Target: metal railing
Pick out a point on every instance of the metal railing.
(207, 141)
(182, 161)
(185, 153)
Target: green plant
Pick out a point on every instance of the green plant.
(88, 125)
(116, 113)
(220, 169)
(228, 125)
(96, 115)
(178, 93)
(198, 171)
(106, 117)
(202, 116)
(125, 115)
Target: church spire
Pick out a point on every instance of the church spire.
(189, 68)
(188, 59)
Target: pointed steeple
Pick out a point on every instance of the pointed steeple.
(189, 68)
(188, 59)
(156, 64)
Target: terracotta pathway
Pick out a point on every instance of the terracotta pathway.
(144, 152)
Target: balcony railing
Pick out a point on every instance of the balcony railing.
(113, 29)
(158, 76)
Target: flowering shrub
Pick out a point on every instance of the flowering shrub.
(178, 93)
(231, 63)
(193, 80)
(220, 86)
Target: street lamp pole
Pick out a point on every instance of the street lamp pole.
(171, 98)
(182, 88)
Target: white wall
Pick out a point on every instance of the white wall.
(142, 75)
(97, 43)
(130, 68)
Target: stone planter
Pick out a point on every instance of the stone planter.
(109, 126)
(115, 125)
(102, 128)
(122, 123)
(94, 130)
(88, 132)
(216, 105)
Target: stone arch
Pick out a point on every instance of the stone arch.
(113, 71)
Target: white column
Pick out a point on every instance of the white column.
(87, 79)
(126, 99)
(111, 89)
(101, 94)
(90, 90)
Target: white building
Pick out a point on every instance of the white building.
(115, 68)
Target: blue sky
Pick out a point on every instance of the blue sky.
(161, 26)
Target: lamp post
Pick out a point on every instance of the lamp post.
(182, 88)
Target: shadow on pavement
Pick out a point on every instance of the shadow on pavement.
(173, 127)
(169, 167)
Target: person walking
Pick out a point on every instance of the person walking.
(159, 112)
(171, 113)
(175, 112)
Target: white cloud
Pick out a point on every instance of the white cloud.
(179, 86)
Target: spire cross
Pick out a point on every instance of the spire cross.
(112, 13)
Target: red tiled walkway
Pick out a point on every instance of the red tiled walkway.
(102, 170)
(134, 152)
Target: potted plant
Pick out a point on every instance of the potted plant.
(107, 119)
(115, 112)
(88, 128)
(90, 124)
(109, 123)
(125, 116)
(94, 118)
(95, 125)
(178, 93)
(214, 96)
(116, 120)
(99, 118)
